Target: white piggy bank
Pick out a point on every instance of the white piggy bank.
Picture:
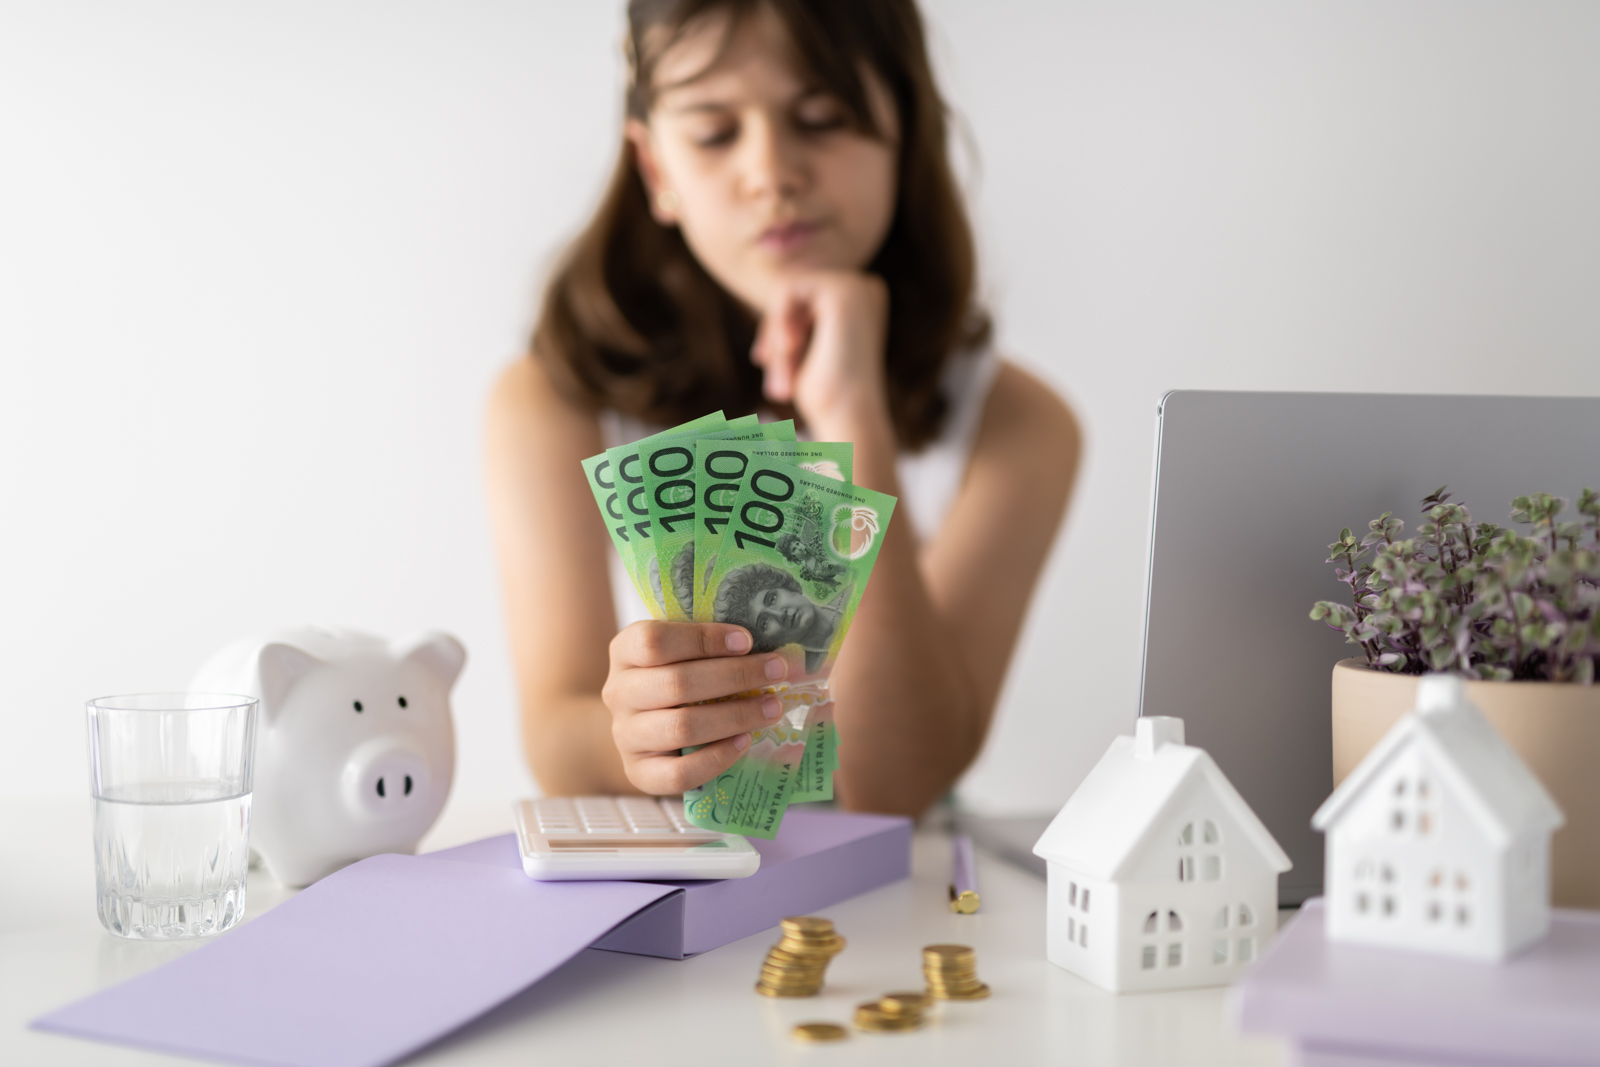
(354, 744)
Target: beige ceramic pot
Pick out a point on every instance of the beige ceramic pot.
(1555, 728)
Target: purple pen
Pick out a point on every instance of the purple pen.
(963, 876)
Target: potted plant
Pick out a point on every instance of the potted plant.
(1516, 613)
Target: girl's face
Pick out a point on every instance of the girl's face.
(759, 166)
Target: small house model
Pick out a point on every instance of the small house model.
(1439, 840)
(1161, 877)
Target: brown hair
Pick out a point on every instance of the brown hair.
(632, 321)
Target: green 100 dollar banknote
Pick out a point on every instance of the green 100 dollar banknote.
(672, 496)
(791, 566)
(619, 490)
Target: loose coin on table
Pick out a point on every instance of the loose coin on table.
(819, 1032)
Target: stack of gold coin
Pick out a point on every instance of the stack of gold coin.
(892, 1012)
(952, 972)
(795, 966)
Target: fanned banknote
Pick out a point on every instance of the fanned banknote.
(628, 518)
(687, 537)
(791, 567)
(668, 466)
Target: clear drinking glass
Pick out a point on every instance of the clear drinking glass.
(172, 776)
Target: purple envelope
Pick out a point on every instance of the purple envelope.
(1349, 1004)
(390, 954)
(818, 858)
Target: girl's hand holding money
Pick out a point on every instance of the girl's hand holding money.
(660, 671)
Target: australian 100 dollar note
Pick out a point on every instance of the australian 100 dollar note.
(720, 475)
(672, 497)
(792, 564)
(618, 489)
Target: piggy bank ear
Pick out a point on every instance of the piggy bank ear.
(279, 666)
(439, 653)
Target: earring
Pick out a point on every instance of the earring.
(667, 202)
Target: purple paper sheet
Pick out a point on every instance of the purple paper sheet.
(362, 969)
(819, 858)
(1349, 1004)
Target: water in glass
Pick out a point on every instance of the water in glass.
(171, 859)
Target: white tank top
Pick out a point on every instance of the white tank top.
(929, 480)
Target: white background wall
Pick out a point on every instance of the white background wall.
(260, 262)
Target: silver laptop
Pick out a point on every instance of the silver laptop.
(1250, 489)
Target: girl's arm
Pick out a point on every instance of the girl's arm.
(551, 545)
(921, 671)
(602, 712)
(919, 675)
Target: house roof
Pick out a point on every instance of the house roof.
(1469, 757)
(1127, 795)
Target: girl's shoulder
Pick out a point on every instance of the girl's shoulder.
(1026, 423)
(526, 410)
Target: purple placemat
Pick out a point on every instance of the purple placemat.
(362, 969)
(1343, 1002)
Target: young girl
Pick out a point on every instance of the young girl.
(782, 234)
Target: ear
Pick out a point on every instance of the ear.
(278, 667)
(644, 157)
(438, 652)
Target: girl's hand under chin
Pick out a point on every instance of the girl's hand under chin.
(821, 343)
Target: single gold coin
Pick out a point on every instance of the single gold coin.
(819, 1032)
(906, 1003)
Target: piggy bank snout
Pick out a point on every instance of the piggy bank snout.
(385, 779)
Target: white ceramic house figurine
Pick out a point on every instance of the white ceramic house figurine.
(354, 745)
(1439, 840)
(1161, 877)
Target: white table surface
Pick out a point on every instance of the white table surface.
(607, 1007)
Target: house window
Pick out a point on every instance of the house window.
(1246, 949)
(1185, 868)
(1151, 922)
(1072, 930)
(1389, 907)
(1173, 922)
(1245, 915)
(1362, 903)
(1175, 954)
(1211, 868)
(1219, 951)
(1187, 836)
(1463, 916)
(1085, 898)
(1072, 895)
(1221, 921)
(1210, 835)
(1147, 958)
(1083, 936)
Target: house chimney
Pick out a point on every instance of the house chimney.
(1440, 692)
(1150, 732)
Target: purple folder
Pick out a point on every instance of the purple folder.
(818, 858)
(390, 954)
(1351, 1004)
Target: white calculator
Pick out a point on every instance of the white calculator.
(568, 839)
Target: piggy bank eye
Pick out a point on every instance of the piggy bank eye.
(402, 702)
(358, 707)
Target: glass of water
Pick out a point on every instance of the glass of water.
(172, 776)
